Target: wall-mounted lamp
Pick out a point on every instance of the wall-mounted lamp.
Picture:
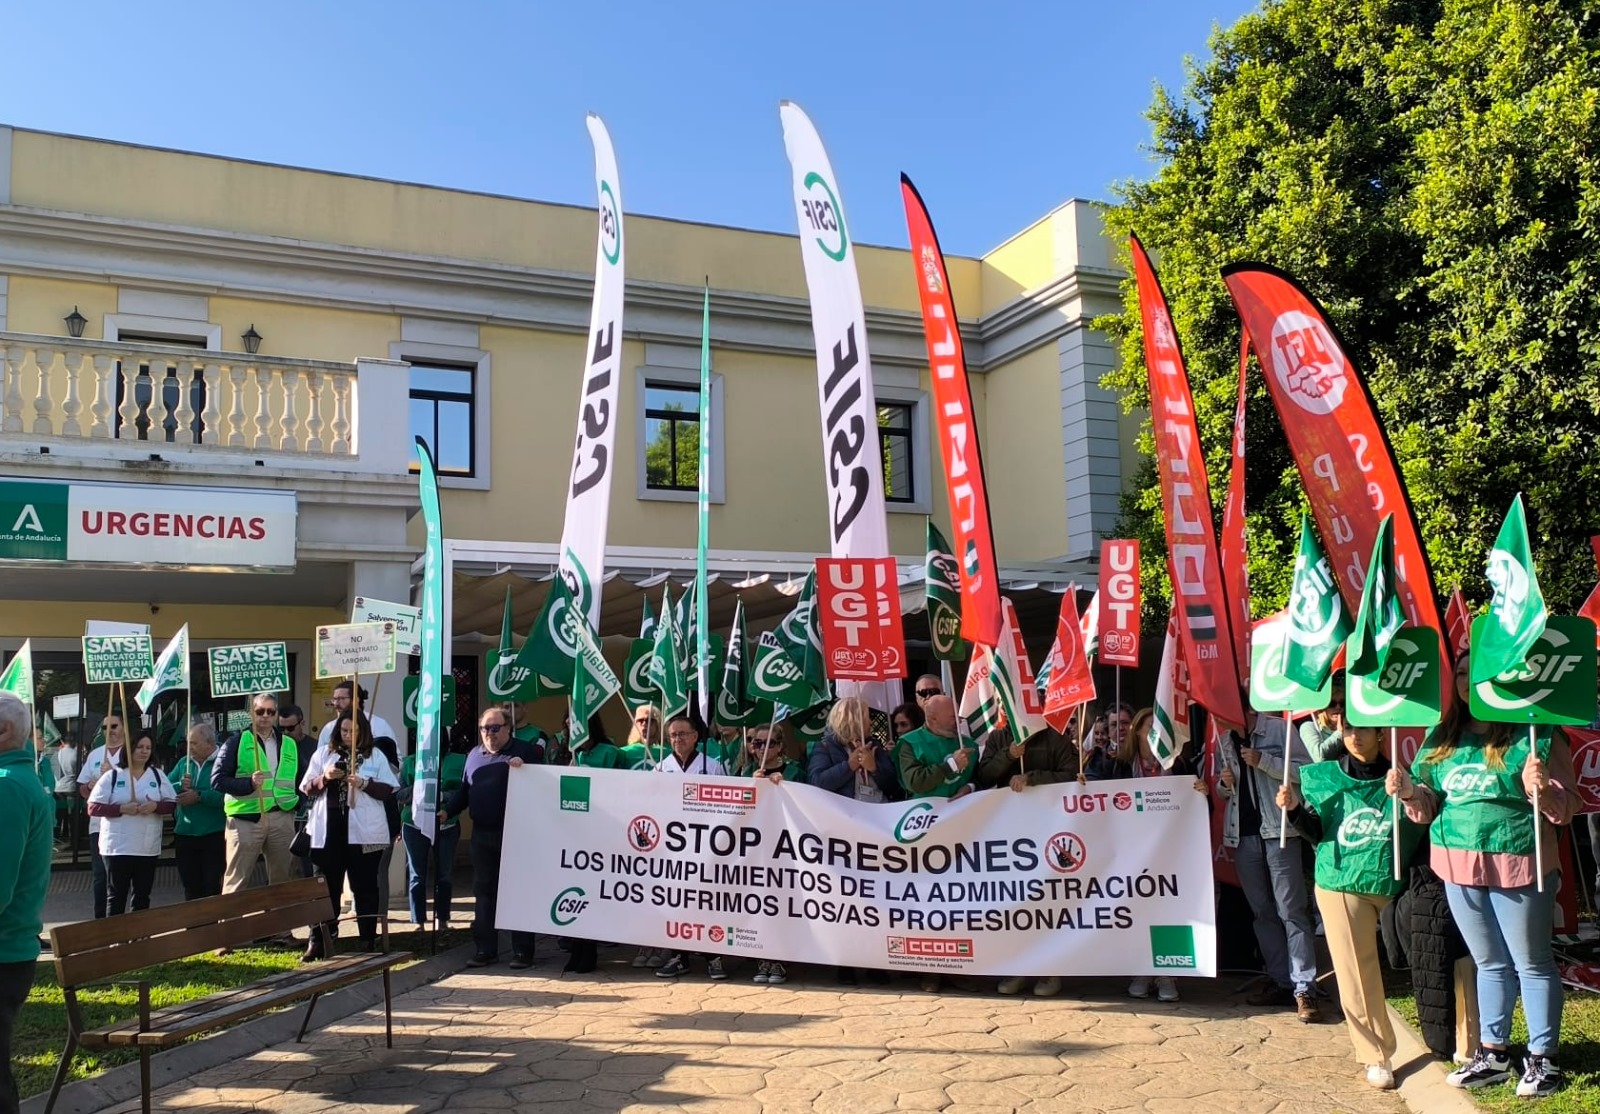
(252, 340)
(75, 323)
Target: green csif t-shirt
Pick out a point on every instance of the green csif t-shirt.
(1356, 854)
(1481, 808)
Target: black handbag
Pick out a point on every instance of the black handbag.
(300, 845)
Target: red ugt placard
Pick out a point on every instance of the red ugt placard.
(858, 607)
(1119, 602)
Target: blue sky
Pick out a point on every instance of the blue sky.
(998, 110)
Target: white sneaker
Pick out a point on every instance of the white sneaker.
(1166, 988)
(1139, 987)
(1379, 1076)
(1013, 985)
(1047, 988)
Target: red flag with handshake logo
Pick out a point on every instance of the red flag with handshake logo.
(1198, 599)
(1119, 602)
(1346, 466)
(858, 609)
(958, 431)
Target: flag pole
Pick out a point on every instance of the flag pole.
(1538, 843)
(1283, 809)
(1394, 763)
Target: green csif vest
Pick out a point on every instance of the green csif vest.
(1356, 854)
(278, 791)
(933, 750)
(1481, 808)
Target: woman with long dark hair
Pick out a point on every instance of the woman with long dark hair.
(348, 781)
(130, 799)
(1477, 783)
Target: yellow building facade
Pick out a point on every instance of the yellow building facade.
(376, 309)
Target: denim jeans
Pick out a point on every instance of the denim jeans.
(1508, 933)
(1274, 883)
(419, 851)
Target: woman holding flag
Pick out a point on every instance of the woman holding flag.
(1342, 807)
(1476, 783)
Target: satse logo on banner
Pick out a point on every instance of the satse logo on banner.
(1119, 602)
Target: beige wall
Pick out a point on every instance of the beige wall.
(65, 619)
(1022, 457)
(171, 187)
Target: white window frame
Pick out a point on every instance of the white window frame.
(678, 377)
(187, 328)
(921, 478)
(423, 352)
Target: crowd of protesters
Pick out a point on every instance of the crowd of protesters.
(1466, 914)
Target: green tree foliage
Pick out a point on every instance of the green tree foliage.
(1428, 170)
(672, 455)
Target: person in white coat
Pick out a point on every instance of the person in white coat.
(130, 800)
(347, 783)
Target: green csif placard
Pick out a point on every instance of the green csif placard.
(1554, 684)
(1270, 689)
(1405, 693)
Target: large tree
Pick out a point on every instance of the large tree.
(1430, 170)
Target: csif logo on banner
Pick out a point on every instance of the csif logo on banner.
(568, 904)
(819, 207)
(591, 462)
(916, 822)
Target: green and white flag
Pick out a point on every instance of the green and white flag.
(800, 635)
(776, 679)
(593, 683)
(1318, 622)
(647, 622)
(1169, 723)
(735, 708)
(430, 664)
(702, 620)
(980, 703)
(552, 642)
(508, 643)
(993, 694)
(18, 677)
(941, 584)
(683, 620)
(1380, 616)
(1089, 626)
(172, 671)
(666, 663)
(1517, 614)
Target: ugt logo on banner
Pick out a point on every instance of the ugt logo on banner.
(1119, 602)
(858, 608)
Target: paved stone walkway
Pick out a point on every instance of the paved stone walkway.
(621, 1041)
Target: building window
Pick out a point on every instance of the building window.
(158, 421)
(442, 414)
(671, 437)
(895, 433)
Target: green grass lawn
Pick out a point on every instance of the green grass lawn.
(42, 1026)
(1580, 1058)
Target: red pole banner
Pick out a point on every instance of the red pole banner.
(1234, 544)
(1119, 602)
(1199, 600)
(1346, 465)
(858, 609)
(1458, 623)
(958, 432)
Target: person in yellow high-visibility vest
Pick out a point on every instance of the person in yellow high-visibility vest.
(258, 772)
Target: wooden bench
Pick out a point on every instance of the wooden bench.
(101, 950)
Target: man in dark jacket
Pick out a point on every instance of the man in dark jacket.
(1044, 758)
(483, 797)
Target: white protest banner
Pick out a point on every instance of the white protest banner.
(109, 658)
(351, 648)
(248, 669)
(106, 626)
(1109, 878)
(407, 621)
